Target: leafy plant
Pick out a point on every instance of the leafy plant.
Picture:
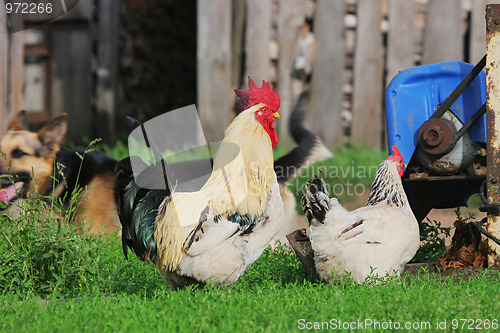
(44, 252)
(432, 240)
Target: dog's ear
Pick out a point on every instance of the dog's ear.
(53, 132)
(19, 122)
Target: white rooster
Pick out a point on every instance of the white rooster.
(212, 235)
(376, 239)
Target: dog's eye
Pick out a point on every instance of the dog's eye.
(18, 153)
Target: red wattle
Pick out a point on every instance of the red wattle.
(273, 136)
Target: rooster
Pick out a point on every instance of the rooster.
(377, 239)
(212, 235)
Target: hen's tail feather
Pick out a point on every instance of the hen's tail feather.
(309, 148)
(316, 201)
(137, 209)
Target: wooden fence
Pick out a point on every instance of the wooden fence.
(360, 45)
(11, 72)
(75, 58)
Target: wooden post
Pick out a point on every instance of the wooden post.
(258, 35)
(4, 72)
(368, 76)
(238, 38)
(16, 67)
(214, 66)
(493, 125)
(11, 70)
(477, 39)
(401, 38)
(328, 71)
(291, 17)
(108, 12)
(443, 37)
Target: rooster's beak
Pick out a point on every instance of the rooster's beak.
(276, 115)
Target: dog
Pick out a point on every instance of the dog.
(34, 163)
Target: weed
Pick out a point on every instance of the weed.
(432, 241)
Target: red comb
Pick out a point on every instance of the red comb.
(396, 151)
(255, 95)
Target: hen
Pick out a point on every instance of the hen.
(212, 235)
(376, 239)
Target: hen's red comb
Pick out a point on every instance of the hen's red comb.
(255, 95)
(396, 151)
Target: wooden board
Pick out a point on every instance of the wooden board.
(71, 80)
(478, 30)
(401, 38)
(258, 36)
(16, 72)
(238, 39)
(443, 37)
(214, 66)
(4, 72)
(368, 76)
(290, 19)
(107, 60)
(328, 71)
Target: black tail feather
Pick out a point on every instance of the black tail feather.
(316, 201)
(137, 209)
(287, 166)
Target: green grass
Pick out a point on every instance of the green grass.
(43, 261)
(55, 278)
(348, 174)
(263, 300)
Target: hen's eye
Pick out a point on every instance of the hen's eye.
(18, 153)
(265, 110)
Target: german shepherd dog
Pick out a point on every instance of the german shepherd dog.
(34, 162)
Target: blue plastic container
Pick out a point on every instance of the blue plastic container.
(415, 93)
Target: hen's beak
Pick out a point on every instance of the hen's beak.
(276, 115)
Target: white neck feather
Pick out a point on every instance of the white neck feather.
(241, 182)
(387, 187)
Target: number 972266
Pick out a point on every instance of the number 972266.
(28, 8)
(474, 324)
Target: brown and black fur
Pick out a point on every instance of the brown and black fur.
(38, 162)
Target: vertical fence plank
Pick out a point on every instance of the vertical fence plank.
(214, 66)
(71, 81)
(327, 77)
(16, 72)
(401, 38)
(478, 31)
(368, 75)
(238, 38)
(443, 37)
(291, 17)
(4, 71)
(107, 58)
(258, 35)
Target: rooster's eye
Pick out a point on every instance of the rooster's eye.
(265, 110)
